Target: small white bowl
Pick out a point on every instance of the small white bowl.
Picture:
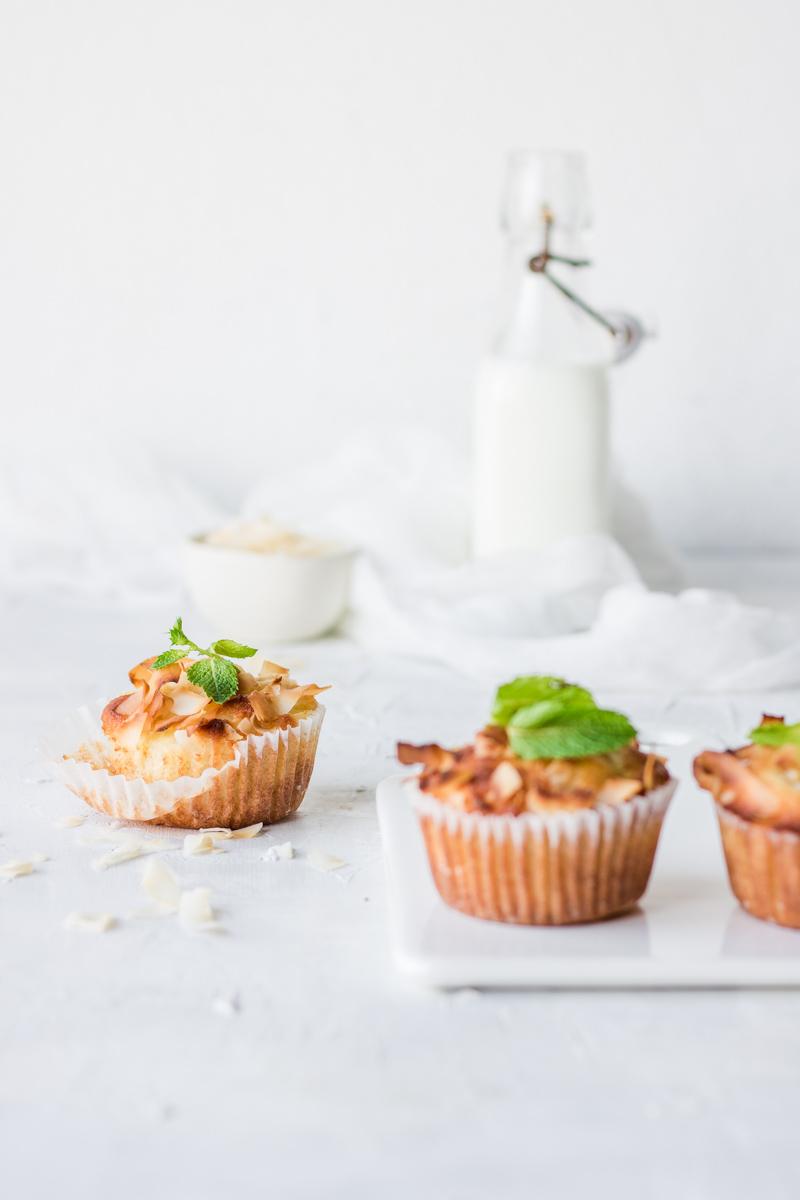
(261, 597)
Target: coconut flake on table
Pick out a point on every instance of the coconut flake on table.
(126, 851)
(200, 843)
(119, 854)
(21, 866)
(90, 922)
(193, 905)
(195, 911)
(161, 886)
(321, 861)
(73, 821)
(279, 853)
(249, 831)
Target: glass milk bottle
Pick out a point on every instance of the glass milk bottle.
(541, 419)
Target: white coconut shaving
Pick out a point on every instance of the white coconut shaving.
(195, 911)
(193, 906)
(225, 835)
(161, 886)
(279, 853)
(119, 854)
(89, 922)
(321, 861)
(199, 843)
(21, 866)
(13, 870)
(70, 822)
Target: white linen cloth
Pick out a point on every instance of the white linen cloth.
(582, 608)
(107, 527)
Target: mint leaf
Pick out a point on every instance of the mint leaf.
(529, 690)
(217, 677)
(176, 635)
(168, 658)
(775, 733)
(548, 711)
(232, 649)
(574, 734)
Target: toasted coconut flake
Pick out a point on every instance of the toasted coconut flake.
(90, 922)
(73, 821)
(505, 781)
(486, 776)
(195, 911)
(161, 886)
(279, 853)
(430, 755)
(186, 700)
(165, 701)
(270, 671)
(321, 861)
(618, 791)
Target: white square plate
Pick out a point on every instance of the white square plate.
(689, 932)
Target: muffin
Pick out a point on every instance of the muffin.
(199, 742)
(551, 816)
(756, 792)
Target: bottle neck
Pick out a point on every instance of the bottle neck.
(537, 322)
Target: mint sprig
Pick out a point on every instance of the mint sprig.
(775, 733)
(547, 717)
(213, 672)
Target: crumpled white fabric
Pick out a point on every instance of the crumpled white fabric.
(582, 608)
(105, 523)
(95, 520)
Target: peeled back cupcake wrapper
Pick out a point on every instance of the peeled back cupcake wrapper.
(264, 781)
(543, 869)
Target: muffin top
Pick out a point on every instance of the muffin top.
(761, 780)
(549, 747)
(208, 695)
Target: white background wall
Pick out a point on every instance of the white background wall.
(234, 230)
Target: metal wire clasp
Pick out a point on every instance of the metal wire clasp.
(627, 332)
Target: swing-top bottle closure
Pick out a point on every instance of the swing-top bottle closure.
(626, 330)
(546, 214)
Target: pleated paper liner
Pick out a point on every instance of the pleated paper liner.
(266, 779)
(556, 868)
(763, 867)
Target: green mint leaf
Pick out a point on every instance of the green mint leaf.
(232, 649)
(529, 690)
(168, 658)
(775, 733)
(546, 712)
(218, 678)
(573, 735)
(176, 635)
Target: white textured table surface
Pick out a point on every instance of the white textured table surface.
(120, 1077)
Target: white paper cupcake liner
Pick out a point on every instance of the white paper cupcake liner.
(264, 781)
(543, 868)
(763, 867)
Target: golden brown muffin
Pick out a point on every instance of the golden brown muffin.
(756, 791)
(251, 756)
(539, 841)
